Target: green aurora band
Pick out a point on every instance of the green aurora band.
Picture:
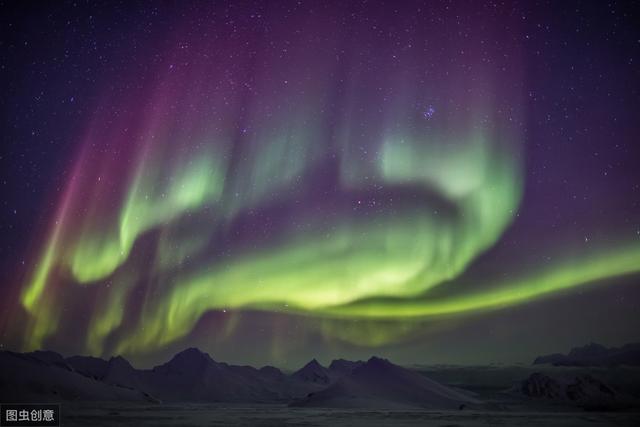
(377, 266)
(316, 195)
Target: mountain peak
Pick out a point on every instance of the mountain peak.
(594, 354)
(376, 366)
(313, 372)
(379, 362)
(192, 353)
(314, 363)
(189, 360)
(119, 362)
(271, 372)
(380, 383)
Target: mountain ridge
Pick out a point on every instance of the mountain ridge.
(594, 354)
(194, 376)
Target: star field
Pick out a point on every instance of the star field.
(277, 181)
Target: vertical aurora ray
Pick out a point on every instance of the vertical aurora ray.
(150, 203)
(110, 315)
(44, 319)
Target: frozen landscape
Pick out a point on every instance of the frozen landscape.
(193, 389)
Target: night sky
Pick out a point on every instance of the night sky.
(432, 182)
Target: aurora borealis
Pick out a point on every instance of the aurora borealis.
(356, 175)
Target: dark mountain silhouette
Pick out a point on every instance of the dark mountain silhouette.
(313, 372)
(119, 371)
(89, 366)
(341, 367)
(34, 378)
(584, 391)
(379, 383)
(594, 355)
(272, 373)
(48, 357)
(190, 375)
(193, 376)
(542, 386)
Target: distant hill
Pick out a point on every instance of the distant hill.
(379, 383)
(30, 377)
(584, 391)
(594, 355)
(313, 372)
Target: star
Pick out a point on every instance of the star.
(429, 112)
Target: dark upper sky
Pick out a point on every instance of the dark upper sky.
(451, 182)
